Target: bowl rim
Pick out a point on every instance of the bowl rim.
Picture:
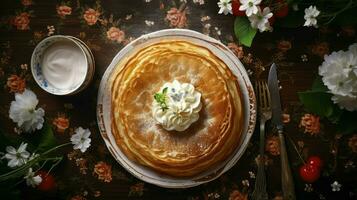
(91, 64)
(248, 127)
(59, 92)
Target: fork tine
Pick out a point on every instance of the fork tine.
(259, 192)
(263, 96)
(261, 100)
(263, 92)
(268, 95)
(259, 88)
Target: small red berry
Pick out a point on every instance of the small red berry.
(283, 9)
(315, 161)
(309, 173)
(48, 181)
(235, 8)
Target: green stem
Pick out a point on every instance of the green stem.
(295, 148)
(43, 164)
(334, 15)
(55, 164)
(22, 169)
(55, 148)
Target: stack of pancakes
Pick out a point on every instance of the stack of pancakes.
(207, 142)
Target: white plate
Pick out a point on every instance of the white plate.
(147, 174)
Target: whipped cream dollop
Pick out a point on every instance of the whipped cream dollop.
(176, 106)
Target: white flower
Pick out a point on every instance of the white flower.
(336, 186)
(308, 188)
(81, 139)
(251, 174)
(245, 183)
(261, 20)
(339, 74)
(18, 157)
(353, 49)
(310, 16)
(200, 2)
(250, 6)
(149, 23)
(295, 7)
(23, 111)
(31, 179)
(347, 102)
(225, 7)
(33, 156)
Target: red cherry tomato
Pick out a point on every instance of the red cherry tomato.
(283, 9)
(48, 181)
(235, 8)
(309, 173)
(315, 161)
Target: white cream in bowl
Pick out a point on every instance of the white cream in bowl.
(61, 65)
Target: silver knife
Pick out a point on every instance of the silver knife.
(287, 181)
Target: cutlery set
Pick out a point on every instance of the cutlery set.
(270, 108)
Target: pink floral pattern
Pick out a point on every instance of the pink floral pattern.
(106, 28)
(64, 10)
(103, 171)
(176, 18)
(310, 123)
(26, 2)
(91, 16)
(22, 21)
(115, 34)
(16, 83)
(273, 145)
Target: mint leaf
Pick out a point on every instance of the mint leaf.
(164, 91)
(161, 99)
(243, 31)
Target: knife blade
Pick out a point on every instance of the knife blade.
(287, 181)
(275, 98)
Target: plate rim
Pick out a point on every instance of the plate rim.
(247, 84)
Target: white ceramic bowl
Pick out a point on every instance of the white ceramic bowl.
(37, 64)
(91, 63)
(147, 174)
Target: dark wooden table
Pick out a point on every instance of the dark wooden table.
(297, 52)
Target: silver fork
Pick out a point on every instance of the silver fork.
(265, 110)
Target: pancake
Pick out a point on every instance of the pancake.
(207, 142)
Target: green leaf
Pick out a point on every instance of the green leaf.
(318, 85)
(243, 31)
(320, 103)
(44, 139)
(164, 91)
(47, 140)
(161, 98)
